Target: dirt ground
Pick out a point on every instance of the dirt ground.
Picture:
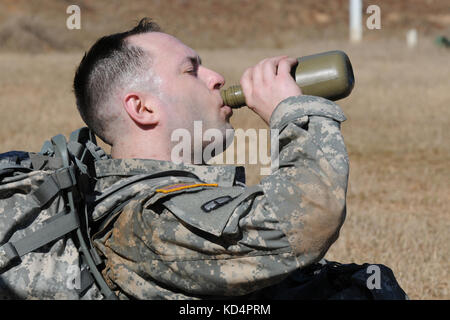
(397, 135)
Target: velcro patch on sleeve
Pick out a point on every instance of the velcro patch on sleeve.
(181, 186)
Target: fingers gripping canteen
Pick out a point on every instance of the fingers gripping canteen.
(328, 75)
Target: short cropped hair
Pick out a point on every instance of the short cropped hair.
(110, 62)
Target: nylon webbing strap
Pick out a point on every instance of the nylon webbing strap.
(86, 278)
(59, 227)
(40, 161)
(47, 148)
(11, 251)
(62, 179)
(97, 152)
(75, 148)
(8, 255)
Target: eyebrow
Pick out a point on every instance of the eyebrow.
(196, 61)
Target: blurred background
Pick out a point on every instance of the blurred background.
(397, 132)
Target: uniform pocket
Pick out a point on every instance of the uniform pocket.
(208, 210)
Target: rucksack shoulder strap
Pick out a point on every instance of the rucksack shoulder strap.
(59, 226)
(82, 147)
(83, 140)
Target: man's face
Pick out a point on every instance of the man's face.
(187, 90)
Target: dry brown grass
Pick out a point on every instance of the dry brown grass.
(397, 135)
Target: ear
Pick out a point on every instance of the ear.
(141, 109)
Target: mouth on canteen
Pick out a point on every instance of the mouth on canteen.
(224, 106)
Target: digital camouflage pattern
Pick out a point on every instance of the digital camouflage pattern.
(165, 246)
(167, 231)
(52, 271)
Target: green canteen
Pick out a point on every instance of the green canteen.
(328, 75)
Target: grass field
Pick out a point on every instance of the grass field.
(397, 134)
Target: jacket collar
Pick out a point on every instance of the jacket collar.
(224, 175)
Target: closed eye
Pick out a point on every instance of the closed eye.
(194, 63)
(192, 71)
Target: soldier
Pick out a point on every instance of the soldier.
(188, 231)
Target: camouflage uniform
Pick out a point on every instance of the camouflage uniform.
(180, 237)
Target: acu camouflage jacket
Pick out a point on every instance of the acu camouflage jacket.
(226, 240)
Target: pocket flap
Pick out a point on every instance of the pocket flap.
(208, 210)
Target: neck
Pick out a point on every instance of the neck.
(142, 147)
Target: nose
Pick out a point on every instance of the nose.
(213, 80)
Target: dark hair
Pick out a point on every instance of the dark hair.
(101, 70)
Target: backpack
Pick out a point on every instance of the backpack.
(44, 208)
(331, 280)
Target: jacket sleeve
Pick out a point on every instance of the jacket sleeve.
(287, 221)
(306, 193)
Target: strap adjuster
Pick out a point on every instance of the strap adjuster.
(59, 180)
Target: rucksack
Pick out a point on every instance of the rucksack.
(331, 280)
(45, 247)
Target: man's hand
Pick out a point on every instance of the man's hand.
(268, 83)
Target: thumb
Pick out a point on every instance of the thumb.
(285, 66)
